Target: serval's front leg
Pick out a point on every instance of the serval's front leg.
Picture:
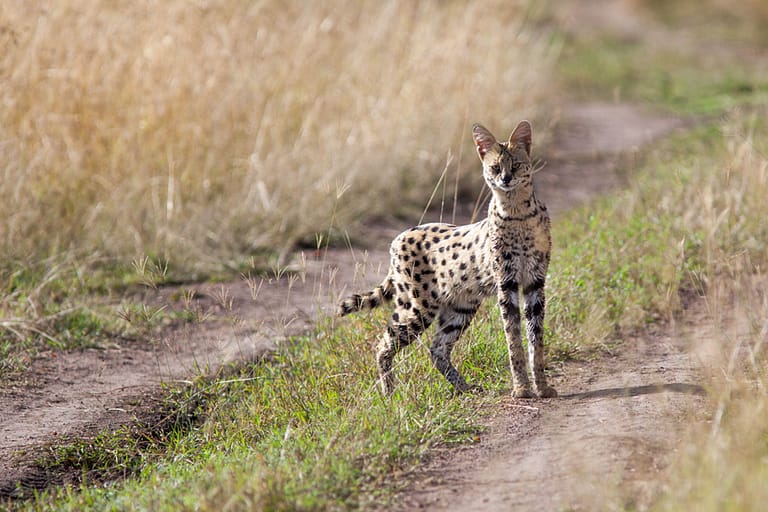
(534, 322)
(509, 304)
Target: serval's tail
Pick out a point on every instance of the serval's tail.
(374, 298)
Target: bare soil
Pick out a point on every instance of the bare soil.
(602, 445)
(616, 419)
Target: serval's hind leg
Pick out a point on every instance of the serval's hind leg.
(404, 327)
(451, 323)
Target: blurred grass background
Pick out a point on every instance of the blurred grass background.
(202, 132)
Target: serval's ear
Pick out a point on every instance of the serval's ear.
(484, 140)
(521, 136)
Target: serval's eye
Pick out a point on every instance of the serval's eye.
(496, 169)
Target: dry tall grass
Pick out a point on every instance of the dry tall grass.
(201, 130)
(725, 466)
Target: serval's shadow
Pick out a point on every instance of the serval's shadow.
(674, 387)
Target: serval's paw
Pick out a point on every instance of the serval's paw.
(547, 392)
(523, 392)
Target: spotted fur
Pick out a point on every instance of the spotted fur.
(441, 272)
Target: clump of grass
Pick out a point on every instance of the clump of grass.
(724, 463)
(728, 206)
(64, 304)
(42, 308)
(200, 132)
(625, 274)
(102, 457)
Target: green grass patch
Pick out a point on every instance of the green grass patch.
(111, 455)
(42, 308)
(306, 430)
(70, 304)
(692, 213)
(679, 76)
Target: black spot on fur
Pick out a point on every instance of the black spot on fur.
(447, 329)
(536, 285)
(534, 310)
(509, 286)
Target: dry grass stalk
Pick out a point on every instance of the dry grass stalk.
(199, 131)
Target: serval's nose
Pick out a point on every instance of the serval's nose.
(506, 179)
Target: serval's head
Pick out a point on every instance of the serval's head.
(506, 165)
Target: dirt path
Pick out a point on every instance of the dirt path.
(79, 394)
(601, 446)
